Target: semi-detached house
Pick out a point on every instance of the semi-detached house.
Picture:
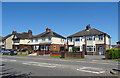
(91, 41)
(48, 41)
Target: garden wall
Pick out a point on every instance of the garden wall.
(78, 54)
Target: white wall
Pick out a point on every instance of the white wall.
(24, 41)
(107, 40)
(9, 42)
(54, 40)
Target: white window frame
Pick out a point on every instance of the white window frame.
(77, 38)
(100, 37)
(93, 48)
(43, 39)
(90, 38)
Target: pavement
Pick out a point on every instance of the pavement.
(48, 66)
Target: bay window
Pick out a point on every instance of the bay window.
(90, 48)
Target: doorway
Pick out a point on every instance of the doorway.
(101, 51)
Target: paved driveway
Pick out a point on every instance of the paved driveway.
(95, 57)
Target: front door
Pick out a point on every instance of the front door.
(101, 51)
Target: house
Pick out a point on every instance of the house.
(7, 41)
(1, 43)
(21, 40)
(91, 41)
(48, 41)
(118, 45)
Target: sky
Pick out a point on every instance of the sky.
(65, 18)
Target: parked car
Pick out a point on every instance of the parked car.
(9, 52)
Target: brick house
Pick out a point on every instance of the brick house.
(91, 41)
(47, 42)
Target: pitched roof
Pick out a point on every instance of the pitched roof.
(23, 35)
(90, 32)
(49, 34)
(4, 38)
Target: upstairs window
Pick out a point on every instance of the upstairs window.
(90, 38)
(49, 38)
(43, 39)
(36, 39)
(77, 39)
(100, 37)
(70, 39)
(31, 40)
(17, 41)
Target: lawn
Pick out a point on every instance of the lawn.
(67, 57)
(116, 60)
(21, 54)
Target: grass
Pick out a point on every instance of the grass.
(67, 57)
(21, 54)
(116, 60)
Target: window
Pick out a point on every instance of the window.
(91, 38)
(43, 47)
(17, 41)
(49, 38)
(90, 48)
(43, 39)
(70, 39)
(100, 37)
(77, 39)
(31, 40)
(78, 48)
(54, 47)
(36, 39)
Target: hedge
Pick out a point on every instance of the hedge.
(113, 53)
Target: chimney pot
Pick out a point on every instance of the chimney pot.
(48, 30)
(88, 27)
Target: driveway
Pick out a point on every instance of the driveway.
(95, 57)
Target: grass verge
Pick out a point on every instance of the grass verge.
(116, 60)
(21, 54)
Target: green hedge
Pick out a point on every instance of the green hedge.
(113, 53)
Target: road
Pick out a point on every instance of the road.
(47, 66)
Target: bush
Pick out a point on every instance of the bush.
(113, 53)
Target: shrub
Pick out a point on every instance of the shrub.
(113, 53)
(74, 49)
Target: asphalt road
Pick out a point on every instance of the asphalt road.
(47, 66)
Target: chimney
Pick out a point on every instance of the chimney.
(14, 32)
(88, 27)
(30, 32)
(48, 30)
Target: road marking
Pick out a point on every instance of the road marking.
(91, 70)
(66, 60)
(13, 60)
(40, 64)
